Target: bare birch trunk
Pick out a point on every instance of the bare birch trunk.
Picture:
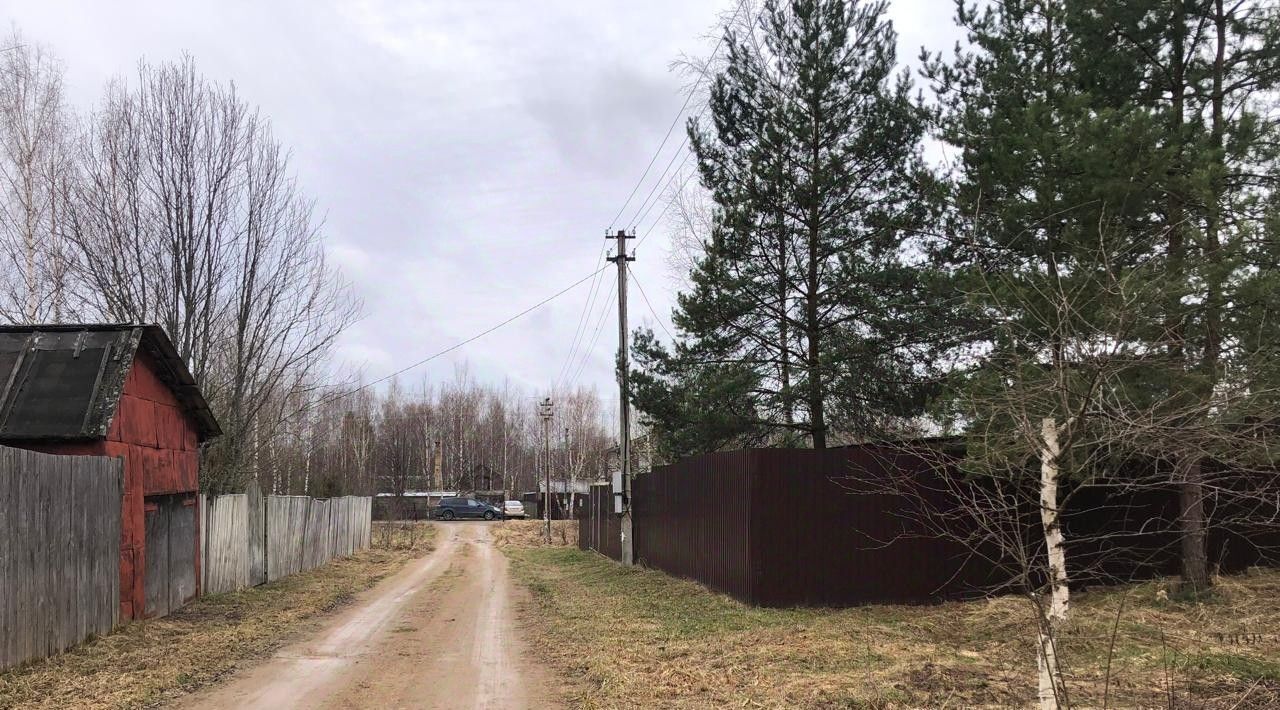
(1052, 691)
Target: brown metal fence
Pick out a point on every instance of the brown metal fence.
(696, 519)
(598, 528)
(780, 527)
(815, 543)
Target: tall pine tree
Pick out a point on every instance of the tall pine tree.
(813, 159)
(1208, 73)
(1138, 130)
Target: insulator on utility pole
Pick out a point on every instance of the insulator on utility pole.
(624, 405)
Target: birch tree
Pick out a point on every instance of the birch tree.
(35, 168)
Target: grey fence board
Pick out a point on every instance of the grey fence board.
(257, 527)
(246, 543)
(60, 557)
(315, 535)
(286, 533)
(225, 559)
(304, 533)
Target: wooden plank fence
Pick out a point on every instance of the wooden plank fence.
(224, 543)
(316, 549)
(257, 522)
(286, 534)
(59, 551)
(249, 539)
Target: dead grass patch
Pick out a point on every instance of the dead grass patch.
(402, 534)
(147, 663)
(640, 638)
(532, 533)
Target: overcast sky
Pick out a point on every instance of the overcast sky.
(467, 156)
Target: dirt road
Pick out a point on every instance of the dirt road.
(439, 634)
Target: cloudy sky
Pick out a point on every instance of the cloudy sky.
(467, 156)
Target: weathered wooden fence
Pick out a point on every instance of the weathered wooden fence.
(224, 543)
(257, 521)
(249, 539)
(310, 532)
(59, 551)
(287, 518)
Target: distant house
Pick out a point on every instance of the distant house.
(643, 457)
(559, 487)
(118, 390)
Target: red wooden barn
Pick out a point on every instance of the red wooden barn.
(118, 390)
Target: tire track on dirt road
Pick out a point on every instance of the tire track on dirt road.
(438, 634)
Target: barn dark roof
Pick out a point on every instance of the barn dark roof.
(63, 382)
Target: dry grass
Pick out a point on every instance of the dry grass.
(146, 663)
(640, 638)
(408, 535)
(532, 533)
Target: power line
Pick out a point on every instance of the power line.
(654, 189)
(645, 296)
(670, 204)
(586, 354)
(656, 153)
(689, 97)
(643, 210)
(604, 311)
(455, 346)
(579, 331)
(680, 150)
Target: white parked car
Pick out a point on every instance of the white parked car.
(513, 509)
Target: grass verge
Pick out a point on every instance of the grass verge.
(640, 638)
(146, 663)
(532, 533)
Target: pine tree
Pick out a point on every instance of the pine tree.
(1133, 130)
(1209, 70)
(813, 160)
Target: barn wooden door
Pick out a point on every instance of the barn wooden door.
(170, 552)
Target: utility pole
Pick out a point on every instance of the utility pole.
(624, 409)
(544, 411)
(568, 472)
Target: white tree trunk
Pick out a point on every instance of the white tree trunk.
(1050, 684)
(1051, 688)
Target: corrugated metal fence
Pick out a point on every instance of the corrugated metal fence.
(776, 527)
(248, 539)
(697, 519)
(598, 528)
(59, 551)
(781, 527)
